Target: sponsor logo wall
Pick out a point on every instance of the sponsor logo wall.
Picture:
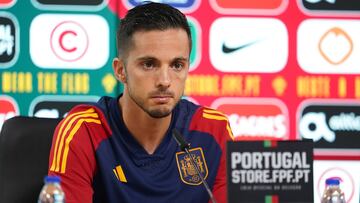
(279, 69)
(57, 51)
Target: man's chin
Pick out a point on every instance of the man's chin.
(160, 110)
(159, 113)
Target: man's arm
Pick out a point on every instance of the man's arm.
(220, 187)
(72, 155)
(216, 124)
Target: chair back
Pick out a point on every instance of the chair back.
(25, 144)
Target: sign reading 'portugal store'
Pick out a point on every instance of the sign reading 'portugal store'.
(270, 171)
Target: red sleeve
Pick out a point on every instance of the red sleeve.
(72, 155)
(216, 124)
(220, 187)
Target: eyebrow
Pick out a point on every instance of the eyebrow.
(145, 58)
(148, 58)
(181, 59)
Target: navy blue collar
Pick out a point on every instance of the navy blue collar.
(130, 142)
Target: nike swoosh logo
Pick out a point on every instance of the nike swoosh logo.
(228, 50)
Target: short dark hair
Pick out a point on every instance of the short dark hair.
(147, 17)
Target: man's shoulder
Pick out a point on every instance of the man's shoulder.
(99, 107)
(209, 120)
(202, 115)
(85, 111)
(211, 116)
(81, 131)
(85, 114)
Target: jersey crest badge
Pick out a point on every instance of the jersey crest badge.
(186, 169)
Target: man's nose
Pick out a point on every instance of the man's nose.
(163, 77)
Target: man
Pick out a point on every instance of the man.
(121, 149)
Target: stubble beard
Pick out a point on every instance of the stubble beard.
(154, 113)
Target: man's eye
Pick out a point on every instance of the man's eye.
(178, 66)
(148, 65)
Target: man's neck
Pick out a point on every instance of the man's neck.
(148, 131)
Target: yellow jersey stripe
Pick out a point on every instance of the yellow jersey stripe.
(64, 133)
(121, 174)
(91, 110)
(211, 111)
(70, 137)
(229, 131)
(214, 117)
(221, 118)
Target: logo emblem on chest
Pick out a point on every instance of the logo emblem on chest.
(186, 169)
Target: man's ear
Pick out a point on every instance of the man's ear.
(119, 69)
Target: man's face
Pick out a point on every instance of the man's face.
(156, 68)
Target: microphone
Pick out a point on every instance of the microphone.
(184, 146)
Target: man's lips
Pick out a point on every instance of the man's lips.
(161, 98)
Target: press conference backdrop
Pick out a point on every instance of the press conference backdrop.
(279, 69)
